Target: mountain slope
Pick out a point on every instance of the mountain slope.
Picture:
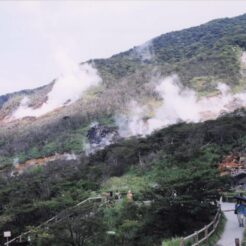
(130, 96)
(207, 47)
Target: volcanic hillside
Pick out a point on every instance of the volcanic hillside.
(190, 75)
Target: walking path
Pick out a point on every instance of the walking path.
(232, 229)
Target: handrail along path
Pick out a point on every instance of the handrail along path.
(57, 218)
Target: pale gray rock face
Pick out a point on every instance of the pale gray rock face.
(100, 136)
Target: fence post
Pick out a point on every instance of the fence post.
(196, 236)
(237, 242)
(206, 233)
(214, 223)
(181, 243)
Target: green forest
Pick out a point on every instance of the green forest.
(174, 168)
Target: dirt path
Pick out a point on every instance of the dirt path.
(232, 229)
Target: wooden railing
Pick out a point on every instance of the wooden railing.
(56, 218)
(198, 237)
(194, 239)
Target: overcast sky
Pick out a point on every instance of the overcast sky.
(39, 39)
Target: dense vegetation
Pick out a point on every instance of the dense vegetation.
(175, 168)
(209, 50)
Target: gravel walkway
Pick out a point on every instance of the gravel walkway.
(232, 229)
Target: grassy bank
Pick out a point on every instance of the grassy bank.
(212, 240)
(243, 243)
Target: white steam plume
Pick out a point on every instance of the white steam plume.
(178, 104)
(243, 59)
(145, 51)
(67, 89)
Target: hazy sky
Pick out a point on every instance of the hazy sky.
(40, 39)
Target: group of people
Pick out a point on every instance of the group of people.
(111, 196)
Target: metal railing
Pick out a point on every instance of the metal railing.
(198, 237)
(56, 218)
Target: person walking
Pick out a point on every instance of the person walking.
(240, 211)
(129, 196)
(117, 195)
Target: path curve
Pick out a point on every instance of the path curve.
(232, 229)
